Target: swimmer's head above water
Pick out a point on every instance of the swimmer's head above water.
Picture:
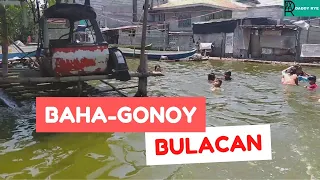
(217, 83)
(157, 68)
(211, 77)
(227, 76)
(298, 69)
(312, 80)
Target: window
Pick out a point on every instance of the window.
(184, 20)
(162, 17)
(227, 14)
(84, 32)
(207, 17)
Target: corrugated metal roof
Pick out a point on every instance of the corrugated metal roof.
(223, 4)
(216, 21)
(224, 20)
(121, 28)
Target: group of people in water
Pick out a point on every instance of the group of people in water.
(217, 82)
(290, 76)
(293, 74)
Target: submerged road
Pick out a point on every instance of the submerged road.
(255, 96)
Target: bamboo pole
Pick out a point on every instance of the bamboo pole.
(114, 88)
(143, 81)
(67, 79)
(4, 39)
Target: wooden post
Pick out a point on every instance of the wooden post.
(142, 87)
(4, 41)
(87, 2)
(134, 11)
(298, 48)
(308, 33)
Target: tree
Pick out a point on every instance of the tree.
(16, 31)
(51, 2)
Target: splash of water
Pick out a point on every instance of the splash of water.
(7, 100)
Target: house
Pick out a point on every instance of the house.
(260, 32)
(132, 35)
(247, 38)
(257, 38)
(117, 13)
(178, 16)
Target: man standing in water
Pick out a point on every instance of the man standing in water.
(289, 76)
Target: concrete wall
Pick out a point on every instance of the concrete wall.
(181, 41)
(196, 13)
(215, 38)
(157, 38)
(241, 42)
(310, 50)
(314, 33)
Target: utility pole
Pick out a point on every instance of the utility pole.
(134, 11)
(4, 40)
(142, 87)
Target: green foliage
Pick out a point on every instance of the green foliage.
(14, 15)
(51, 2)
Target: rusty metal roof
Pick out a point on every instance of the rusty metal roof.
(222, 4)
(269, 26)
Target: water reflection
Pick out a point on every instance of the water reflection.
(254, 96)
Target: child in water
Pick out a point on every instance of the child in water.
(227, 76)
(216, 85)
(211, 77)
(157, 69)
(312, 82)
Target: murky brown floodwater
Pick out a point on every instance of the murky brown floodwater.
(255, 96)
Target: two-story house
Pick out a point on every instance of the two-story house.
(117, 13)
(178, 16)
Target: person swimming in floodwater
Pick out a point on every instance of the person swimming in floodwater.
(302, 76)
(157, 69)
(289, 76)
(211, 77)
(227, 76)
(299, 71)
(216, 85)
(312, 82)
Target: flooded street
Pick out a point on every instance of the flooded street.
(254, 96)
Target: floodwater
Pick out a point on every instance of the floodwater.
(255, 96)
